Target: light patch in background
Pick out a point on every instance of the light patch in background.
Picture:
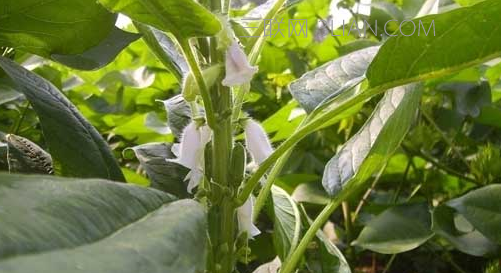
(363, 7)
(123, 21)
(342, 16)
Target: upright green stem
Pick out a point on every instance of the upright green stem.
(290, 265)
(197, 73)
(222, 210)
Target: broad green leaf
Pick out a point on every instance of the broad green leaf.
(54, 27)
(471, 242)
(73, 143)
(74, 225)
(371, 147)
(482, 208)
(164, 175)
(165, 49)
(287, 222)
(462, 38)
(490, 115)
(101, 54)
(328, 80)
(397, 229)
(178, 114)
(468, 2)
(183, 18)
(312, 193)
(469, 98)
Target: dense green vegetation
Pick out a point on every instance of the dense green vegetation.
(192, 136)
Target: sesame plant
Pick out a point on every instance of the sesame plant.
(361, 153)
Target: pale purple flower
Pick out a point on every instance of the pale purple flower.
(238, 69)
(190, 152)
(257, 141)
(244, 216)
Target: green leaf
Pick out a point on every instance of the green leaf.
(101, 54)
(330, 79)
(469, 98)
(468, 2)
(178, 114)
(397, 229)
(54, 27)
(72, 141)
(312, 193)
(183, 18)
(331, 258)
(471, 242)
(482, 209)
(371, 147)
(404, 59)
(165, 49)
(164, 175)
(287, 222)
(73, 225)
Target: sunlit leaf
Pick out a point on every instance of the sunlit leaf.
(369, 149)
(441, 51)
(183, 18)
(328, 80)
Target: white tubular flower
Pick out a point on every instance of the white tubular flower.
(190, 152)
(238, 69)
(244, 216)
(257, 141)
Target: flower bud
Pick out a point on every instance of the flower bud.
(257, 141)
(238, 69)
(244, 216)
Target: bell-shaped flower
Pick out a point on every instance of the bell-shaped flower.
(257, 141)
(244, 217)
(190, 152)
(238, 69)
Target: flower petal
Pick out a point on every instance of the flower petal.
(244, 216)
(257, 142)
(238, 69)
